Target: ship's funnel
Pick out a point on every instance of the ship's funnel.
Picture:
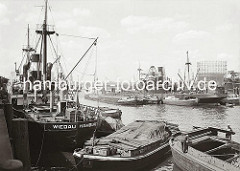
(35, 67)
(25, 70)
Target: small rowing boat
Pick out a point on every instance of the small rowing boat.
(203, 149)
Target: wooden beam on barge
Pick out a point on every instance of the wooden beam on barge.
(214, 130)
(222, 130)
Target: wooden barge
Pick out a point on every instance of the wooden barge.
(133, 147)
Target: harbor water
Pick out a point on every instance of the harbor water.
(185, 117)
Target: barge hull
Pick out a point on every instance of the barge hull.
(188, 164)
(133, 164)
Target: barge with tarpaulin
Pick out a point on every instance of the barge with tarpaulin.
(134, 147)
(204, 149)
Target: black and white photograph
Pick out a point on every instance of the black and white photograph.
(119, 85)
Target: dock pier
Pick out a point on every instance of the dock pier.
(15, 148)
(13, 138)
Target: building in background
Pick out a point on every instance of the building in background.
(161, 74)
(232, 76)
(212, 70)
(232, 82)
(154, 74)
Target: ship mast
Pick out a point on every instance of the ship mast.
(28, 45)
(188, 63)
(28, 48)
(44, 32)
(139, 71)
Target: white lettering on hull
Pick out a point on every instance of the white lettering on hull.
(88, 125)
(53, 127)
(64, 126)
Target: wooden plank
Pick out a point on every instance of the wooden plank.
(232, 158)
(222, 130)
(121, 146)
(129, 143)
(217, 148)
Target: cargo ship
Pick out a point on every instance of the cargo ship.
(190, 97)
(54, 121)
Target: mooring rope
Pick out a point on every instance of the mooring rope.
(75, 167)
(41, 149)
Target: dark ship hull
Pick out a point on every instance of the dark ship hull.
(131, 101)
(53, 136)
(111, 99)
(209, 98)
(62, 136)
(56, 136)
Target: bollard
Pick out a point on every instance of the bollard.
(12, 165)
(21, 142)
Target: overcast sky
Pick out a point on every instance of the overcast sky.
(149, 32)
